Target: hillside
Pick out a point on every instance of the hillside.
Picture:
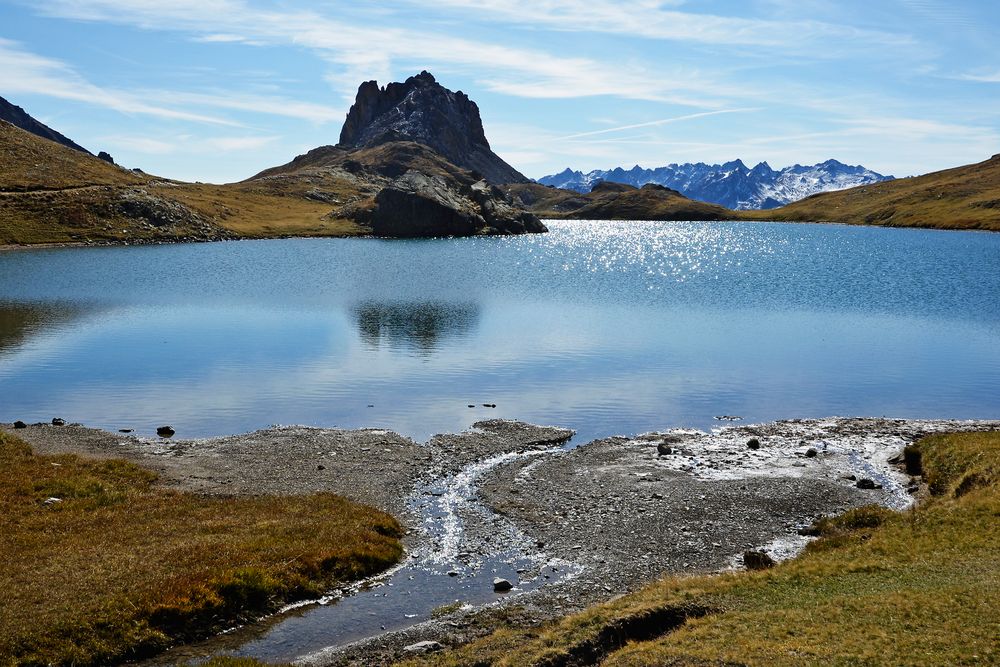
(965, 197)
(614, 201)
(53, 194)
(18, 117)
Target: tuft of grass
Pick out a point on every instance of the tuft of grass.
(921, 587)
(118, 568)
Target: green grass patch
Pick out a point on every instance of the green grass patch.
(119, 568)
(921, 587)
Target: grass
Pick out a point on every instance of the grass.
(121, 568)
(966, 197)
(921, 587)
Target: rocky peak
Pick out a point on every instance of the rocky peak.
(422, 110)
(18, 117)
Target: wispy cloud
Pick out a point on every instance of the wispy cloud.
(368, 51)
(655, 19)
(23, 72)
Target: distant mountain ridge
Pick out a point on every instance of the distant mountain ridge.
(733, 184)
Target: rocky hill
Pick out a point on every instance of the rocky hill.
(966, 197)
(422, 110)
(733, 184)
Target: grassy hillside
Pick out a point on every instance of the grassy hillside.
(614, 201)
(118, 568)
(52, 194)
(966, 197)
(878, 588)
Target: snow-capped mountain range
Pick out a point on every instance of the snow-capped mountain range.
(733, 184)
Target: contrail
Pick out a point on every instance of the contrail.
(662, 121)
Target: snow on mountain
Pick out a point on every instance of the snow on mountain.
(733, 184)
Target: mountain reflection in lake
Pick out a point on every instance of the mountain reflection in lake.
(421, 325)
(605, 327)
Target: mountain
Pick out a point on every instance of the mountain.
(732, 184)
(423, 111)
(966, 197)
(384, 186)
(614, 201)
(18, 117)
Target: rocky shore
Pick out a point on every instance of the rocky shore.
(566, 525)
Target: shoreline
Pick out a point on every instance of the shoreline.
(615, 511)
(10, 247)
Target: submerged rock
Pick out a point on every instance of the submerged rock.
(501, 585)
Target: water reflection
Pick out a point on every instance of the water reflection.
(19, 322)
(415, 324)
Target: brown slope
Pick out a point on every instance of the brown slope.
(53, 194)
(965, 197)
(17, 116)
(614, 201)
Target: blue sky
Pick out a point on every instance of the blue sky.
(216, 90)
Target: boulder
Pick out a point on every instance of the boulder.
(20, 424)
(165, 431)
(423, 647)
(58, 421)
(757, 560)
(865, 483)
(422, 205)
(753, 443)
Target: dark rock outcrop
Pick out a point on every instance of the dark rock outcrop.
(421, 205)
(104, 155)
(18, 117)
(422, 110)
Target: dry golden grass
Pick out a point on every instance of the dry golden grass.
(879, 588)
(966, 197)
(121, 568)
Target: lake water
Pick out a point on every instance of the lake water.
(605, 327)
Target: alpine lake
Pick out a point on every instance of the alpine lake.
(599, 326)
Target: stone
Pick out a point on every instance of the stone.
(104, 155)
(165, 431)
(423, 647)
(865, 483)
(757, 560)
(58, 421)
(51, 501)
(811, 453)
(420, 205)
(501, 585)
(20, 424)
(753, 443)
(664, 449)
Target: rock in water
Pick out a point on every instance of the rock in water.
(501, 585)
(422, 110)
(165, 432)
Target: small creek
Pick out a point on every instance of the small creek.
(464, 546)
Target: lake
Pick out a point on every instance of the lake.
(604, 327)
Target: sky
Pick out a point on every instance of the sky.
(217, 90)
